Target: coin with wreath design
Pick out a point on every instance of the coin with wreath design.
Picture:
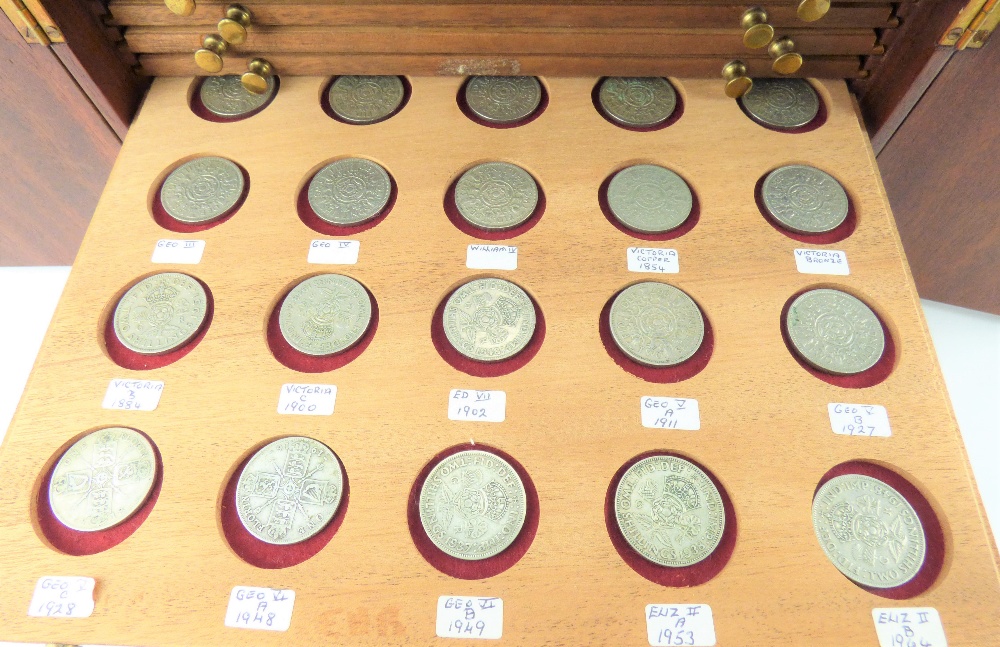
(835, 332)
(496, 196)
(656, 324)
(202, 190)
(489, 320)
(225, 96)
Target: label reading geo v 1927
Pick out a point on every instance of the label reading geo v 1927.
(680, 624)
(653, 260)
(62, 597)
(132, 395)
(307, 399)
(491, 257)
(477, 406)
(182, 252)
(334, 252)
(257, 607)
(859, 419)
(821, 261)
(906, 626)
(469, 617)
(670, 413)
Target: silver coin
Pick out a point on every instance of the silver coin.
(649, 199)
(473, 505)
(489, 320)
(835, 332)
(669, 511)
(869, 531)
(289, 490)
(349, 191)
(496, 195)
(637, 101)
(804, 199)
(656, 324)
(225, 96)
(365, 99)
(325, 314)
(503, 99)
(782, 103)
(202, 190)
(160, 313)
(102, 479)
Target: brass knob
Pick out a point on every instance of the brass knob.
(180, 7)
(737, 81)
(255, 79)
(209, 57)
(786, 59)
(233, 27)
(757, 32)
(811, 10)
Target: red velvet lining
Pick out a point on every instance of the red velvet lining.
(198, 107)
(324, 102)
(463, 105)
(817, 121)
(463, 225)
(165, 220)
(472, 569)
(934, 534)
(314, 222)
(692, 575)
(837, 234)
(685, 227)
(75, 542)
(670, 121)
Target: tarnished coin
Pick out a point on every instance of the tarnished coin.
(656, 324)
(473, 505)
(804, 199)
(637, 101)
(349, 191)
(325, 314)
(503, 99)
(102, 479)
(496, 196)
(869, 531)
(160, 313)
(489, 319)
(289, 490)
(202, 190)
(782, 103)
(835, 332)
(649, 199)
(225, 96)
(669, 511)
(365, 99)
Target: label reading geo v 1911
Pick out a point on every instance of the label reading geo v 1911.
(307, 399)
(670, 413)
(132, 395)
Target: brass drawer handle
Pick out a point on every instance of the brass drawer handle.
(757, 33)
(233, 28)
(786, 59)
(737, 81)
(259, 70)
(180, 7)
(812, 10)
(209, 57)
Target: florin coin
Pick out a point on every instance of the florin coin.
(289, 490)
(489, 320)
(365, 99)
(202, 190)
(160, 313)
(804, 199)
(503, 99)
(325, 314)
(637, 101)
(225, 96)
(782, 103)
(669, 511)
(496, 195)
(835, 332)
(102, 479)
(869, 531)
(349, 191)
(656, 324)
(472, 505)
(649, 199)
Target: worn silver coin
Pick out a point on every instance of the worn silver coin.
(649, 199)
(289, 490)
(782, 103)
(835, 332)
(472, 505)
(365, 99)
(804, 199)
(656, 324)
(496, 195)
(202, 190)
(637, 101)
(225, 96)
(503, 99)
(869, 531)
(489, 320)
(669, 511)
(349, 191)
(160, 313)
(102, 479)
(325, 314)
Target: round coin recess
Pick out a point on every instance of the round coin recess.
(785, 104)
(637, 102)
(835, 332)
(365, 99)
(503, 99)
(349, 191)
(489, 320)
(496, 196)
(656, 324)
(225, 96)
(325, 314)
(202, 190)
(160, 313)
(649, 199)
(804, 199)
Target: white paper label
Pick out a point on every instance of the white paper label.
(334, 252)
(653, 260)
(466, 617)
(133, 395)
(252, 607)
(821, 261)
(62, 597)
(680, 624)
(859, 419)
(491, 257)
(477, 406)
(307, 399)
(184, 252)
(909, 627)
(670, 413)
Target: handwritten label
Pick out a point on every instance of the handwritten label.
(859, 419)
(184, 252)
(252, 607)
(491, 257)
(909, 627)
(307, 399)
(680, 624)
(464, 617)
(133, 395)
(653, 260)
(334, 252)
(477, 406)
(670, 413)
(821, 261)
(62, 597)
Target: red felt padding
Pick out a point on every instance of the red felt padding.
(876, 374)
(837, 234)
(75, 542)
(198, 108)
(262, 554)
(817, 121)
(933, 533)
(481, 568)
(686, 226)
(324, 102)
(317, 224)
(165, 220)
(692, 575)
(463, 105)
(463, 225)
(669, 121)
